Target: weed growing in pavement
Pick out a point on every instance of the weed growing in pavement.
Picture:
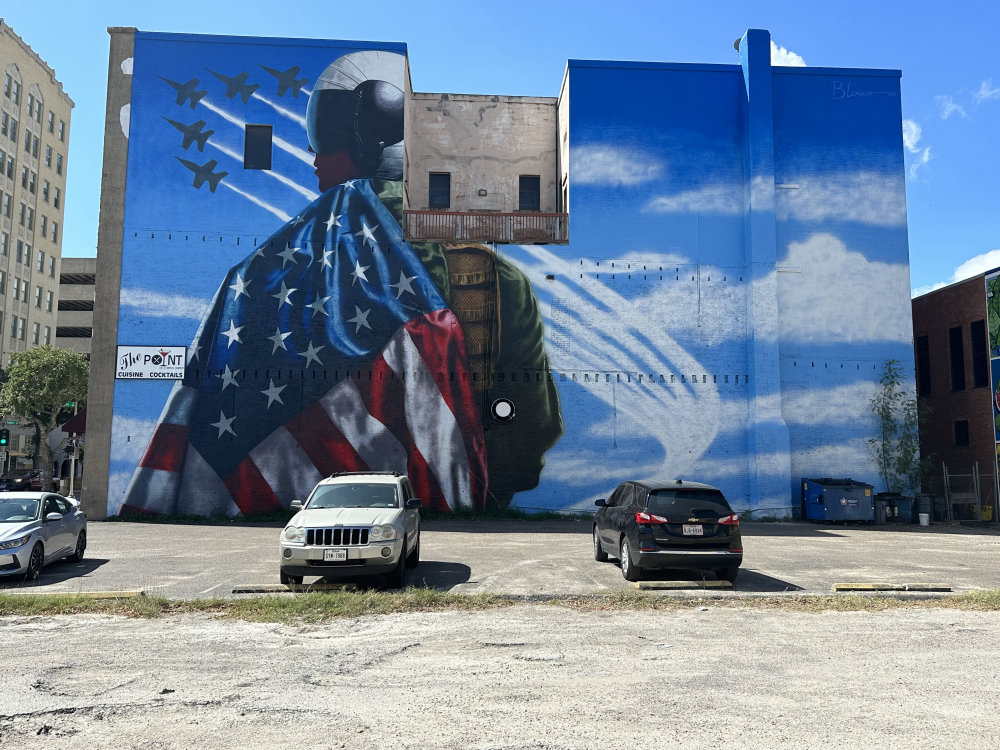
(312, 607)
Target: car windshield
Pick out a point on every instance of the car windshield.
(13, 509)
(355, 495)
(687, 503)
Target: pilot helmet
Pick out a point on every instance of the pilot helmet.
(358, 103)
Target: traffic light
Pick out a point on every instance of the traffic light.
(4, 438)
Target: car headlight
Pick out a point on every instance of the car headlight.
(15, 542)
(294, 534)
(383, 532)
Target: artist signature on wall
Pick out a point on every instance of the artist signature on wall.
(841, 91)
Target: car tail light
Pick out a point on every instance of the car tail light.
(649, 518)
(731, 520)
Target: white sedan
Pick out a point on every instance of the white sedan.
(38, 528)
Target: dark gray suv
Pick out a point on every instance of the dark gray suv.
(672, 524)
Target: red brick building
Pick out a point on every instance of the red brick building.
(953, 381)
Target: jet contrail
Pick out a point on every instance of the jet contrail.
(298, 153)
(294, 116)
(276, 175)
(267, 206)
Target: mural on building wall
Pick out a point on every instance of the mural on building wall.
(334, 345)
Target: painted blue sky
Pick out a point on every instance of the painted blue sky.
(950, 84)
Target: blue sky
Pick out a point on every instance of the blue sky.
(950, 84)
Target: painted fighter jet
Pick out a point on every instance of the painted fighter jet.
(236, 85)
(185, 90)
(204, 172)
(192, 133)
(287, 80)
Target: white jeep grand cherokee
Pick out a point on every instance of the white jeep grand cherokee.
(354, 524)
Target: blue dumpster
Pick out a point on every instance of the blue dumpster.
(837, 500)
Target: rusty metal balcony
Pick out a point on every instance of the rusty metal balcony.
(520, 228)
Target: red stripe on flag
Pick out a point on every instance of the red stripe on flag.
(439, 338)
(166, 448)
(385, 400)
(250, 491)
(323, 443)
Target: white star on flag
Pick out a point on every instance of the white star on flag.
(310, 354)
(225, 424)
(273, 393)
(318, 305)
(288, 254)
(240, 287)
(333, 221)
(279, 339)
(405, 285)
(359, 272)
(367, 232)
(228, 378)
(233, 334)
(326, 258)
(283, 295)
(360, 319)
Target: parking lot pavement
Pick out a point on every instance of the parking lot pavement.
(543, 558)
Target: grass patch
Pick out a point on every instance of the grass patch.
(324, 606)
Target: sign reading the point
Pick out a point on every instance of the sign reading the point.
(503, 410)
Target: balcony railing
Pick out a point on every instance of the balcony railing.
(527, 228)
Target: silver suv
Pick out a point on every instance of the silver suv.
(354, 524)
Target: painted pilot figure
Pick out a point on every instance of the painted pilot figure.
(460, 332)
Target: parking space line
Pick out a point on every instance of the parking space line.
(281, 588)
(891, 587)
(678, 585)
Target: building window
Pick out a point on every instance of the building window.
(4, 124)
(3, 161)
(13, 129)
(52, 267)
(257, 147)
(980, 359)
(957, 352)
(20, 251)
(27, 254)
(24, 291)
(923, 366)
(13, 326)
(10, 168)
(48, 302)
(59, 163)
(31, 219)
(45, 190)
(57, 198)
(6, 205)
(529, 193)
(8, 82)
(48, 336)
(38, 299)
(34, 150)
(62, 131)
(52, 121)
(55, 231)
(41, 260)
(22, 215)
(27, 141)
(439, 190)
(31, 105)
(43, 226)
(48, 156)
(3, 282)
(36, 330)
(16, 289)
(24, 177)
(32, 178)
(17, 93)
(4, 242)
(961, 433)
(20, 328)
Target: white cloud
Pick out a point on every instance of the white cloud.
(782, 56)
(721, 199)
(129, 438)
(840, 296)
(986, 91)
(911, 140)
(842, 405)
(611, 165)
(865, 197)
(972, 267)
(949, 107)
(157, 305)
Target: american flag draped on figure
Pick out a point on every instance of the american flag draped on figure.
(328, 349)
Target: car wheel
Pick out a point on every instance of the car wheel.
(81, 547)
(599, 554)
(630, 571)
(413, 559)
(727, 574)
(35, 562)
(290, 580)
(397, 579)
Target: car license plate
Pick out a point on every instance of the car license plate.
(693, 529)
(334, 555)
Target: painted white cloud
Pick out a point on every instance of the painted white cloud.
(125, 118)
(972, 267)
(842, 405)
(157, 305)
(127, 64)
(947, 106)
(840, 296)
(129, 438)
(782, 56)
(986, 92)
(911, 140)
(610, 165)
(865, 197)
(721, 199)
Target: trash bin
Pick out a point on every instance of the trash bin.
(829, 499)
(904, 509)
(881, 510)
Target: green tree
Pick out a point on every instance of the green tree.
(36, 387)
(896, 447)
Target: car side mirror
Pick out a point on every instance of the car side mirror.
(601, 503)
(414, 503)
(53, 516)
(296, 505)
